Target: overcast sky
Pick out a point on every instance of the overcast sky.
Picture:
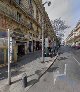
(68, 10)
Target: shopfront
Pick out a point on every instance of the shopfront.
(21, 48)
(4, 49)
(37, 45)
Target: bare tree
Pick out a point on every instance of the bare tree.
(59, 26)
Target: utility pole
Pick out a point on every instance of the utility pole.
(49, 3)
(42, 40)
(9, 56)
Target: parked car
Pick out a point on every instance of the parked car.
(73, 46)
(78, 46)
(48, 52)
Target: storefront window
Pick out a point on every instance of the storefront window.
(18, 1)
(3, 34)
(1, 56)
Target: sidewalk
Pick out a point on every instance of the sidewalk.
(32, 66)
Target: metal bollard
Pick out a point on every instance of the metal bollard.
(24, 80)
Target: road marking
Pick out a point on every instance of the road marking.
(65, 69)
(76, 60)
(57, 74)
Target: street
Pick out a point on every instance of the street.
(39, 45)
(63, 76)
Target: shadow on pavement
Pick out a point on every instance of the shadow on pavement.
(16, 81)
(52, 69)
(29, 57)
(14, 72)
(31, 75)
(17, 66)
(31, 82)
(62, 58)
(38, 72)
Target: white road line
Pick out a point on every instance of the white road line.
(57, 74)
(76, 60)
(65, 69)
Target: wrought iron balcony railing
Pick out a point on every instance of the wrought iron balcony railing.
(27, 10)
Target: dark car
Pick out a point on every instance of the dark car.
(78, 46)
(73, 46)
(48, 52)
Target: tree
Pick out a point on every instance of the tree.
(59, 26)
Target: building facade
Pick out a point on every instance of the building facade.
(24, 19)
(74, 36)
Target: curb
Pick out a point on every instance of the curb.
(26, 89)
(43, 73)
(48, 67)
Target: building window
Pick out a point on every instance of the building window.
(31, 24)
(30, 34)
(33, 35)
(29, 1)
(18, 16)
(31, 11)
(18, 1)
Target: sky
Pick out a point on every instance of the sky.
(68, 10)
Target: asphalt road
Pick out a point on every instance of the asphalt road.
(63, 76)
(76, 53)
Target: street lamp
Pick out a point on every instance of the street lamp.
(49, 3)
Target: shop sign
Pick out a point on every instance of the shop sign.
(10, 49)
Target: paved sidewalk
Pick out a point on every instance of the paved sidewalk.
(32, 66)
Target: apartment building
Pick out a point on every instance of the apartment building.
(24, 19)
(70, 39)
(74, 36)
(77, 34)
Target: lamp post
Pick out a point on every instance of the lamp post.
(9, 55)
(49, 3)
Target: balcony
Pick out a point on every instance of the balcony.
(26, 10)
(20, 5)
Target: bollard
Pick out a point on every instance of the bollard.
(24, 80)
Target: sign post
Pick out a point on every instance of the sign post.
(9, 56)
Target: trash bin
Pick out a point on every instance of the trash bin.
(24, 80)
